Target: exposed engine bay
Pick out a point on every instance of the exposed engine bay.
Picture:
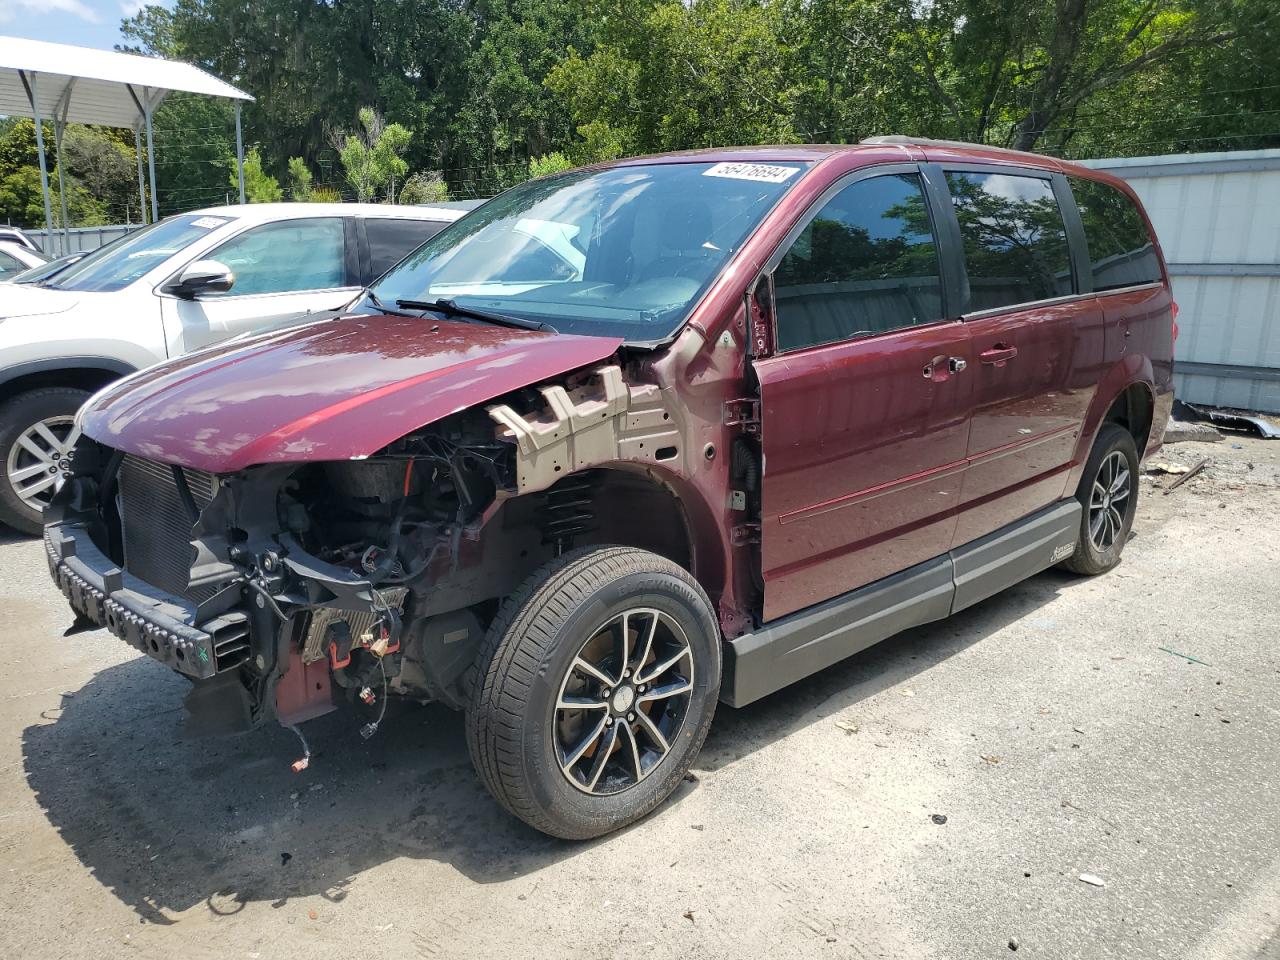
(319, 583)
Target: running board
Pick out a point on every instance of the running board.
(790, 649)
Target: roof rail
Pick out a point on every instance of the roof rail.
(928, 142)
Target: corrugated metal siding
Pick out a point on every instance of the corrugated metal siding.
(79, 239)
(1218, 219)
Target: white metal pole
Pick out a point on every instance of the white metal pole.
(142, 187)
(151, 159)
(29, 79)
(239, 152)
(58, 127)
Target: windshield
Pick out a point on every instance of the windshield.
(118, 264)
(626, 251)
(43, 270)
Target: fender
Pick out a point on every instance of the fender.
(1129, 370)
(55, 364)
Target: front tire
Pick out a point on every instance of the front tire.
(1108, 493)
(37, 433)
(595, 689)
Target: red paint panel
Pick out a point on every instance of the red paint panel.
(863, 457)
(1027, 409)
(326, 391)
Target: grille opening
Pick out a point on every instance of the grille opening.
(156, 524)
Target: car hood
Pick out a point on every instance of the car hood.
(29, 300)
(333, 390)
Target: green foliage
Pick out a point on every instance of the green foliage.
(325, 195)
(373, 156)
(486, 91)
(550, 163)
(300, 178)
(425, 186)
(259, 186)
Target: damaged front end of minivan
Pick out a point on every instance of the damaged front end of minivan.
(286, 589)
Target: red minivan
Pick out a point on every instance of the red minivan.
(631, 439)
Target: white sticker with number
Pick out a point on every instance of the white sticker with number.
(208, 222)
(763, 172)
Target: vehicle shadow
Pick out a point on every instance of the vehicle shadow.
(168, 823)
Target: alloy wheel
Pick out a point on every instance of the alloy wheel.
(1108, 500)
(40, 458)
(623, 701)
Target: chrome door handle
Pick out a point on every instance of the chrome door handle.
(956, 364)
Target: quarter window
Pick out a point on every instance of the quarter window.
(866, 264)
(1120, 249)
(1015, 242)
(287, 256)
(390, 241)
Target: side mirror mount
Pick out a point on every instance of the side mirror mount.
(203, 276)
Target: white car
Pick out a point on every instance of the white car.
(16, 258)
(178, 285)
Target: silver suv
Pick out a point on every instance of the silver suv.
(178, 285)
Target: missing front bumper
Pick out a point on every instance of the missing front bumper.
(159, 624)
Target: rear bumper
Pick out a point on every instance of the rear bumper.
(159, 624)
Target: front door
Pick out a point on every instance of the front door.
(284, 271)
(864, 412)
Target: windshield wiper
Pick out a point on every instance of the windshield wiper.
(450, 308)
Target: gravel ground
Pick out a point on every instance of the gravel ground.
(1124, 727)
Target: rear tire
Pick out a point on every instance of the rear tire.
(30, 474)
(629, 635)
(1108, 493)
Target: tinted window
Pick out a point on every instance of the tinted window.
(1015, 243)
(391, 240)
(866, 264)
(1119, 246)
(286, 256)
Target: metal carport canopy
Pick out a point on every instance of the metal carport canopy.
(68, 84)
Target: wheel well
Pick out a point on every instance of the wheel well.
(81, 378)
(1133, 410)
(633, 510)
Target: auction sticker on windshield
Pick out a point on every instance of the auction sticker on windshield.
(208, 222)
(764, 172)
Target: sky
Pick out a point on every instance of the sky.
(86, 23)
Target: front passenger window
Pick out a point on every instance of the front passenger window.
(866, 264)
(286, 256)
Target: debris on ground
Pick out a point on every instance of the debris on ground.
(849, 726)
(1183, 656)
(688, 915)
(1163, 466)
(1239, 420)
(1013, 943)
(1188, 473)
(1093, 881)
(990, 758)
(939, 818)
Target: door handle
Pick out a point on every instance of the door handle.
(999, 354)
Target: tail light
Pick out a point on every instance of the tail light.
(1175, 321)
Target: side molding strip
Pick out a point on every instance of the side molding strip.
(780, 653)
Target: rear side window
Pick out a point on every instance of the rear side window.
(1120, 248)
(1015, 242)
(866, 264)
(390, 241)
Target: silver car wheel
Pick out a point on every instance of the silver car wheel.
(623, 701)
(40, 460)
(1107, 502)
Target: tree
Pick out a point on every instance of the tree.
(373, 156)
(259, 186)
(425, 186)
(300, 178)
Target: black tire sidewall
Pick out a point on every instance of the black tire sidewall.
(1111, 438)
(550, 790)
(16, 416)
